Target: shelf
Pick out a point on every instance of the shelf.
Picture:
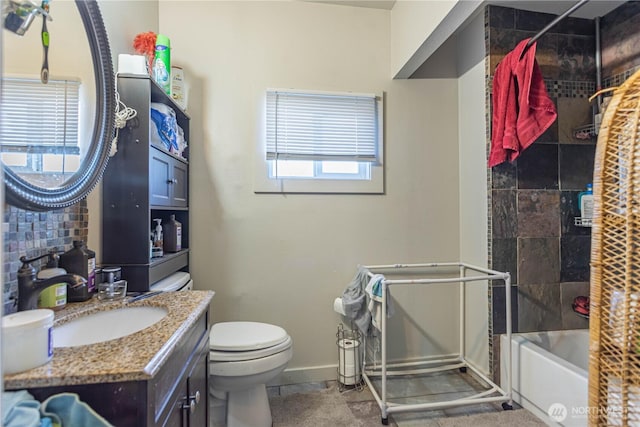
(586, 132)
(582, 222)
(158, 94)
(167, 257)
(169, 153)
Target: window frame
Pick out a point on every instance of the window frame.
(264, 184)
(35, 151)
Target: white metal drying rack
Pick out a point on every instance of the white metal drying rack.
(457, 361)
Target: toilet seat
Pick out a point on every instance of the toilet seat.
(236, 341)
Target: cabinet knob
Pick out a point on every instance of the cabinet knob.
(190, 405)
(192, 402)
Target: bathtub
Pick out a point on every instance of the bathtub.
(550, 374)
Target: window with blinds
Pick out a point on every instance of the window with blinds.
(321, 142)
(38, 121)
(322, 126)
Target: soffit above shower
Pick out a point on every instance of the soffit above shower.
(433, 58)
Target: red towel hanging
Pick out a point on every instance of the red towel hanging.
(522, 109)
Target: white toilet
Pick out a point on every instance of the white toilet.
(243, 357)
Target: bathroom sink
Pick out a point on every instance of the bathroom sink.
(106, 325)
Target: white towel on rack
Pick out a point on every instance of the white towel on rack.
(374, 293)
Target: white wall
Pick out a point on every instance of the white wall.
(473, 184)
(123, 21)
(412, 22)
(284, 258)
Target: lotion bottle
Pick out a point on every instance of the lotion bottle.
(585, 200)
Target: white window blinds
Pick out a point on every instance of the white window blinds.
(321, 126)
(43, 117)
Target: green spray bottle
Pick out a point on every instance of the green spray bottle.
(162, 63)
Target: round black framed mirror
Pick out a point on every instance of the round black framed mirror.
(25, 193)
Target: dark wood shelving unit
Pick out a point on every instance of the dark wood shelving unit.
(144, 181)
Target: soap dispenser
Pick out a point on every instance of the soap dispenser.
(158, 244)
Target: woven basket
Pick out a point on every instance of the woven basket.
(614, 348)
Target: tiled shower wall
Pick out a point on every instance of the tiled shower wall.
(534, 199)
(35, 233)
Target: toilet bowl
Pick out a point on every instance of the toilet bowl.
(243, 357)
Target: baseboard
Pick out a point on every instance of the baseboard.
(312, 374)
(306, 375)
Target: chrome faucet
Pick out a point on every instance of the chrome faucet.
(29, 287)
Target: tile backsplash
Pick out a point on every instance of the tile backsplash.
(31, 234)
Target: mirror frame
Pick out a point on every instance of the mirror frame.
(25, 195)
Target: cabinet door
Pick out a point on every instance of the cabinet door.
(197, 386)
(160, 177)
(179, 184)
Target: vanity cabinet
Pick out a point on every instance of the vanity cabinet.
(143, 181)
(176, 396)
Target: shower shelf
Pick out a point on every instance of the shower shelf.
(582, 222)
(585, 132)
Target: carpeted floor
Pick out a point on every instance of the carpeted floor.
(326, 406)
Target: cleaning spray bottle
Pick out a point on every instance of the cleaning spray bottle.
(162, 63)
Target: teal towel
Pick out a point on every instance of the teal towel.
(67, 410)
(20, 409)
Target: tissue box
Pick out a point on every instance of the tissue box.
(132, 64)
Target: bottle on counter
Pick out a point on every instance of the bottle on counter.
(82, 261)
(172, 231)
(55, 296)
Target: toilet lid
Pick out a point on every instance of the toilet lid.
(239, 356)
(245, 336)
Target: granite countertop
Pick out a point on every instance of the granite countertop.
(135, 357)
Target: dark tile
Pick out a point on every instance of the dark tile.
(535, 21)
(498, 309)
(504, 256)
(538, 213)
(503, 214)
(502, 17)
(569, 210)
(619, 15)
(576, 166)
(539, 307)
(538, 167)
(547, 55)
(575, 256)
(573, 113)
(576, 58)
(538, 260)
(501, 42)
(503, 176)
(568, 292)
(620, 39)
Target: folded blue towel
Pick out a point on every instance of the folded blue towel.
(67, 410)
(20, 409)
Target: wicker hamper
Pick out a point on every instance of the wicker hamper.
(614, 348)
